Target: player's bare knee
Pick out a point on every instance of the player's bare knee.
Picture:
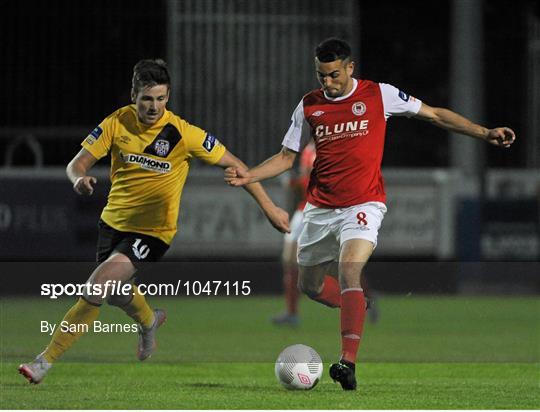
(121, 295)
(311, 279)
(101, 279)
(309, 288)
(117, 268)
(93, 298)
(119, 300)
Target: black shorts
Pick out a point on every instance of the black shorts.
(136, 246)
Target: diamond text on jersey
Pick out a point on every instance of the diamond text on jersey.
(146, 162)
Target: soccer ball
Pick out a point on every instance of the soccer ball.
(299, 367)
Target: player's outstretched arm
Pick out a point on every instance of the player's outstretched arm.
(449, 120)
(271, 167)
(278, 217)
(77, 169)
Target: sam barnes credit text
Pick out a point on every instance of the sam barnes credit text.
(97, 326)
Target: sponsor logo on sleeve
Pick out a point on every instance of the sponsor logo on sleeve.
(96, 132)
(210, 142)
(359, 108)
(94, 135)
(403, 96)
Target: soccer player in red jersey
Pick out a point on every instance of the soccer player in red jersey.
(347, 118)
(299, 185)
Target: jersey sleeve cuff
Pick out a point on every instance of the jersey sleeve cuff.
(91, 149)
(219, 156)
(417, 104)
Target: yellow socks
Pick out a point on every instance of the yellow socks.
(76, 322)
(81, 316)
(139, 310)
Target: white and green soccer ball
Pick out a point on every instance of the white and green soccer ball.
(299, 367)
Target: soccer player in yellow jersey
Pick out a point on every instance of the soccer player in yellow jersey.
(151, 149)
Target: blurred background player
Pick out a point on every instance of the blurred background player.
(298, 185)
(151, 149)
(345, 207)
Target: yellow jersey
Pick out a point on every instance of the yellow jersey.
(149, 166)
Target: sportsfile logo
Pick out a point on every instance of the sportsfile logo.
(146, 162)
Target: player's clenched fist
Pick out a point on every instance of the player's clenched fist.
(235, 176)
(84, 185)
(501, 136)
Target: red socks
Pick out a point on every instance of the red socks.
(290, 283)
(353, 313)
(330, 294)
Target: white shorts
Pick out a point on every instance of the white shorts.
(297, 223)
(325, 230)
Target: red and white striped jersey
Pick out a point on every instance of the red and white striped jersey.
(349, 134)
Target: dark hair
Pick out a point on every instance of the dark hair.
(333, 49)
(148, 73)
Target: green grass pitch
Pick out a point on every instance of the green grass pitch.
(218, 353)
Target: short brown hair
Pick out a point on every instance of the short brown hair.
(148, 73)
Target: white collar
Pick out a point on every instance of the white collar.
(337, 99)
